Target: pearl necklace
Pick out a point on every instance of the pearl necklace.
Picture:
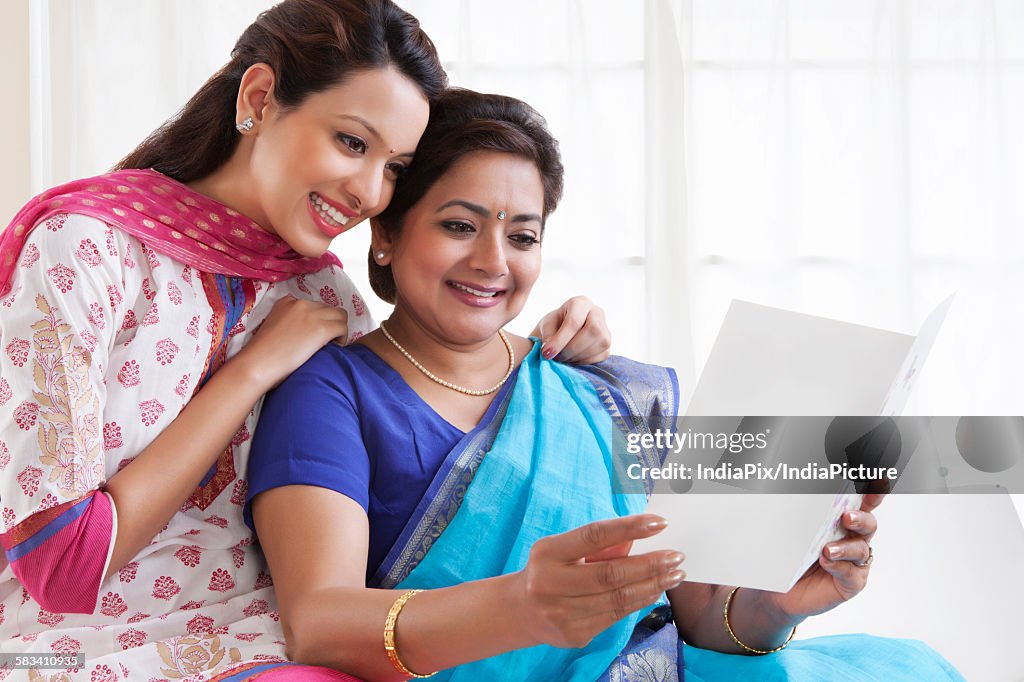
(447, 384)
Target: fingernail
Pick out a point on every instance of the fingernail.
(835, 551)
(673, 579)
(656, 524)
(547, 352)
(855, 519)
(673, 559)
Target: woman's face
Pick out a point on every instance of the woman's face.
(325, 166)
(461, 273)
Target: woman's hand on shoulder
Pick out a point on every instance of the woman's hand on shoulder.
(291, 333)
(575, 332)
(577, 584)
(841, 571)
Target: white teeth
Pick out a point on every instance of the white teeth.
(482, 294)
(328, 212)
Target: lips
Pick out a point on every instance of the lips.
(331, 212)
(331, 219)
(476, 296)
(482, 292)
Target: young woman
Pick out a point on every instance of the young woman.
(438, 496)
(130, 376)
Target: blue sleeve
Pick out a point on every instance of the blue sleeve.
(309, 434)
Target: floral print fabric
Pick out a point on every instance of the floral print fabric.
(102, 343)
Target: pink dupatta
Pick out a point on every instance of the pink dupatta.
(169, 218)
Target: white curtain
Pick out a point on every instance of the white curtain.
(859, 160)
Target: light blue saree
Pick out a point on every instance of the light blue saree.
(542, 466)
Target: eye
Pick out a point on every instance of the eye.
(395, 170)
(352, 143)
(524, 240)
(458, 226)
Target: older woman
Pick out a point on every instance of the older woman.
(130, 376)
(438, 496)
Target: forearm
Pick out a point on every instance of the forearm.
(153, 486)
(755, 620)
(344, 627)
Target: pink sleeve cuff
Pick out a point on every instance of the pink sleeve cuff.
(60, 554)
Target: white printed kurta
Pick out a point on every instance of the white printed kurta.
(102, 342)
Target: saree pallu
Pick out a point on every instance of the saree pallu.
(543, 465)
(482, 514)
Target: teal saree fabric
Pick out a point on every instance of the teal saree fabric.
(547, 469)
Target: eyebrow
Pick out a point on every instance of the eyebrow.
(373, 131)
(484, 213)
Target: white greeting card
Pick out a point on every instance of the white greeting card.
(769, 361)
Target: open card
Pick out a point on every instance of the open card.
(769, 361)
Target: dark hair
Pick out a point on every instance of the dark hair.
(311, 45)
(464, 121)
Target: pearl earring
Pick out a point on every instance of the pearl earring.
(380, 255)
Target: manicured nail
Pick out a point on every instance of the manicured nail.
(656, 524)
(547, 352)
(835, 551)
(673, 559)
(855, 519)
(673, 579)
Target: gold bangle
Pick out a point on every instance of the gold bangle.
(389, 634)
(759, 652)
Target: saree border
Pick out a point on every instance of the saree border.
(630, 406)
(443, 497)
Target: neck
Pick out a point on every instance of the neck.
(474, 364)
(231, 186)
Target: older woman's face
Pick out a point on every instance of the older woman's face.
(469, 251)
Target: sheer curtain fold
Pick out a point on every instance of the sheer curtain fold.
(667, 249)
(855, 160)
(849, 160)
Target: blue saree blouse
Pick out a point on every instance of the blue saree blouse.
(348, 422)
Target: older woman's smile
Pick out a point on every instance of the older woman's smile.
(481, 297)
(486, 292)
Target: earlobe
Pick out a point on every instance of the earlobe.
(380, 245)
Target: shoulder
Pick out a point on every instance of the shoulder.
(333, 363)
(331, 283)
(333, 286)
(66, 257)
(61, 235)
(635, 387)
(334, 373)
(324, 369)
(74, 239)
